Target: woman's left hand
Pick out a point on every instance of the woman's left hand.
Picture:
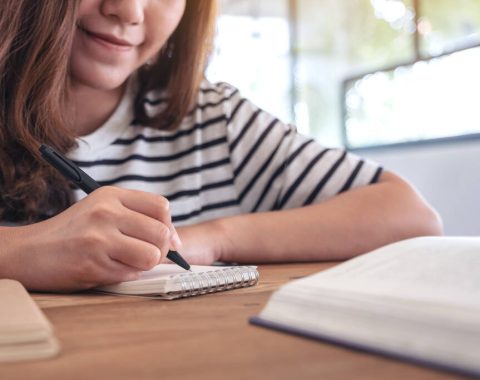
(201, 243)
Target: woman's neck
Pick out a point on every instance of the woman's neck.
(90, 108)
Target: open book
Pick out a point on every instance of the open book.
(25, 332)
(418, 299)
(168, 281)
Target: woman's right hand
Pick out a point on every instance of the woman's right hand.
(107, 237)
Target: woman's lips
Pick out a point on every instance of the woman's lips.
(109, 41)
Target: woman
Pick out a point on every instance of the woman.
(118, 86)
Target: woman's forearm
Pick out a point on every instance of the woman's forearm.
(352, 223)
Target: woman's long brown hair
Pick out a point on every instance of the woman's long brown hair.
(36, 39)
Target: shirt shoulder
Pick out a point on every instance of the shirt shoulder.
(215, 91)
(215, 99)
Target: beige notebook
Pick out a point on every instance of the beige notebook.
(168, 281)
(25, 332)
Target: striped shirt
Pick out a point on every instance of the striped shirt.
(228, 157)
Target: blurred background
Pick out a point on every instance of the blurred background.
(392, 80)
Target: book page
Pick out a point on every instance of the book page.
(435, 269)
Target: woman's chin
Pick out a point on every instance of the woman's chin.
(106, 79)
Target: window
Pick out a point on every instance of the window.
(294, 57)
(252, 52)
(427, 100)
(445, 25)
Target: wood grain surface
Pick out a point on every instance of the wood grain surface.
(205, 337)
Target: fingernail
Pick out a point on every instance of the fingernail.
(177, 243)
(158, 255)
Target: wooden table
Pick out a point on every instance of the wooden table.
(207, 337)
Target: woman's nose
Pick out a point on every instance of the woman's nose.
(129, 12)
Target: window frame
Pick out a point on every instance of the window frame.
(344, 89)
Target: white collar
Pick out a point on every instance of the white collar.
(114, 127)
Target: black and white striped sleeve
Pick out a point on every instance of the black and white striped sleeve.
(277, 168)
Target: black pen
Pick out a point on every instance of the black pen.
(72, 172)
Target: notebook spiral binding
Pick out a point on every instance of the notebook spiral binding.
(194, 284)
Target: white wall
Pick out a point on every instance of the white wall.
(447, 174)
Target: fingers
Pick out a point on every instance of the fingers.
(175, 241)
(146, 229)
(94, 267)
(135, 253)
(154, 206)
(118, 272)
(138, 226)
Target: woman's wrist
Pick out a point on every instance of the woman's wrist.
(202, 243)
(20, 251)
(10, 247)
(219, 240)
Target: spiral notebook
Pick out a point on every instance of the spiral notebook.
(168, 281)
